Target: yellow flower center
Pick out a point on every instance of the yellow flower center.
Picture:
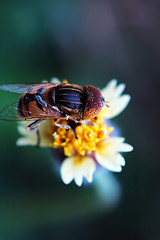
(88, 137)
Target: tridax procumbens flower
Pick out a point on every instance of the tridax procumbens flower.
(94, 145)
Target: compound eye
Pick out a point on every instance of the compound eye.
(94, 102)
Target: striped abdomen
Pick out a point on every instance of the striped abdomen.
(69, 98)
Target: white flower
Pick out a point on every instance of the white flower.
(117, 102)
(74, 168)
(94, 145)
(30, 137)
(108, 154)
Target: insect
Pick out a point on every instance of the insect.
(43, 101)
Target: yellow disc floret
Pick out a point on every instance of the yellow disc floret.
(89, 135)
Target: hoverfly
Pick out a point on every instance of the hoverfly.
(46, 101)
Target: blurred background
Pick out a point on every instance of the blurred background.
(87, 42)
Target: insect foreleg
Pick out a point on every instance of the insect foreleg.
(87, 122)
(33, 127)
(67, 127)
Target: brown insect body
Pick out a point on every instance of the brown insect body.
(54, 101)
(33, 103)
(61, 101)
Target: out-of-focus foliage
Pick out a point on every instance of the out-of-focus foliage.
(88, 42)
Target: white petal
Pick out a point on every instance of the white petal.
(30, 137)
(55, 80)
(112, 91)
(109, 162)
(69, 170)
(44, 81)
(124, 147)
(120, 159)
(89, 168)
(109, 91)
(25, 141)
(117, 102)
(119, 145)
(116, 144)
(21, 142)
(78, 180)
(89, 178)
(22, 130)
(67, 178)
(117, 106)
(66, 171)
(109, 156)
(120, 88)
(112, 84)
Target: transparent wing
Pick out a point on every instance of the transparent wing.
(19, 88)
(9, 113)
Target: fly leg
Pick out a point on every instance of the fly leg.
(33, 127)
(87, 122)
(67, 127)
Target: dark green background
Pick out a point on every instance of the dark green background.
(87, 42)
